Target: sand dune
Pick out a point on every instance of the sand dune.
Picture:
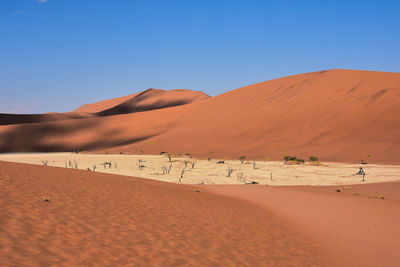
(337, 115)
(356, 225)
(152, 99)
(102, 219)
(103, 105)
(149, 99)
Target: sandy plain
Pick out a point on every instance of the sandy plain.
(209, 172)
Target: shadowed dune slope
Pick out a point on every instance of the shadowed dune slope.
(356, 224)
(151, 99)
(101, 219)
(7, 119)
(337, 115)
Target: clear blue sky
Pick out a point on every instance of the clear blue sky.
(56, 55)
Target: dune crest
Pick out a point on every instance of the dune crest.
(149, 99)
(152, 99)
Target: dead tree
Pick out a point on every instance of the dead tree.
(186, 163)
(229, 172)
(182, 172)
(169, 158)
(141, 166)
(361, 172)
(254, 165)
(94, 167)
(242, 158)
(76, 164)
(169, 168)
(193, 164)
(44, 162)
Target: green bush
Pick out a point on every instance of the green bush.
(289, 158)
(293, 158)
(313, 158)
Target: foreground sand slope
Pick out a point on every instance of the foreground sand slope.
(338, 115)
(356, 225)
(102, 219)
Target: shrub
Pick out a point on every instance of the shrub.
(293, 159)
(313, 158)
(242, 158)
(289, 158)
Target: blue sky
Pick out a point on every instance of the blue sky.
(56, 55)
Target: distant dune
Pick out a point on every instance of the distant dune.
(103, 105)
(149, 99)
(100, 219)
(7, 119)
(337, 115)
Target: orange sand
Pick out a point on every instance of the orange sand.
(102, 219)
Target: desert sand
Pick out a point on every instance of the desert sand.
(359, 225)
(59, 216)
(93, 218)
(209, 172)
(337, 115)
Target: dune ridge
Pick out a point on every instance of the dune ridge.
(149, 99)
(337, 115)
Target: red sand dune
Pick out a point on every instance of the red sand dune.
(109, 220)
(103, 105)
(149, 99)
(355, 225)
(338, 115)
